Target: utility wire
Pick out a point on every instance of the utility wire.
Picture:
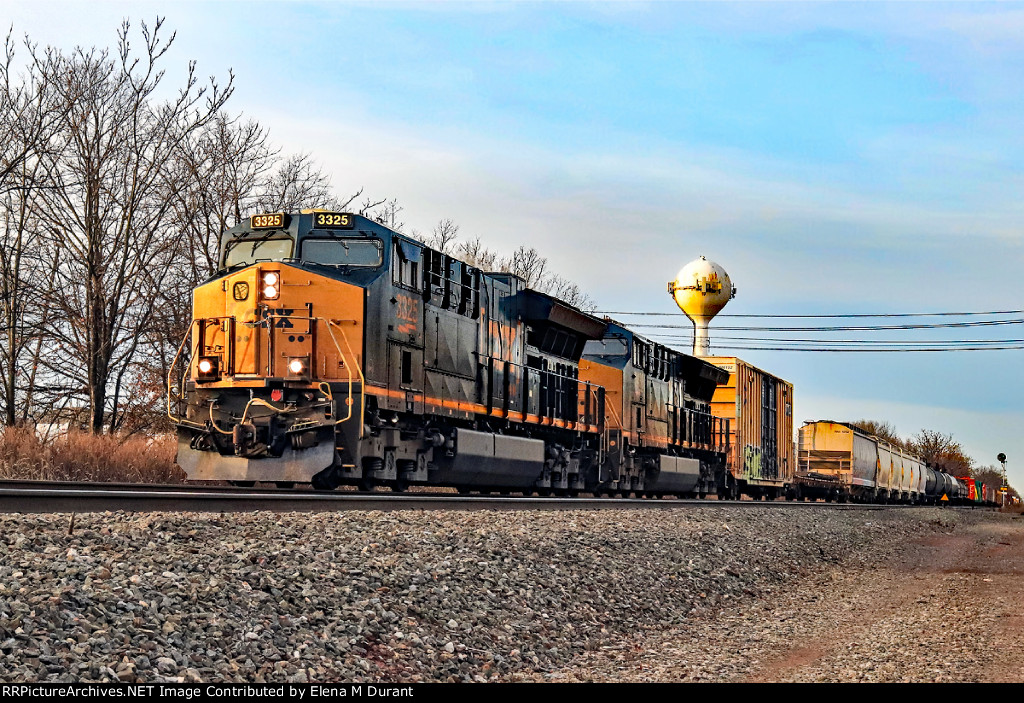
(796, 340)
(875, 350)
(840, 328)
(880, 314)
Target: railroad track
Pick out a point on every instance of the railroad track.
(63, 497)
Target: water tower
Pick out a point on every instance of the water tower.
(701, 289)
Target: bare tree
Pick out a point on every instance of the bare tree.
(941, 451)
(528, 264)
(476, 254)
(29, 114)
(570, 292)
(384, 212)
(443, 237)
(30, 111)
(881, 429)
(218, 174)
(108, 209)
(296, 184)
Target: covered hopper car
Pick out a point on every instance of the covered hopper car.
(837, 461)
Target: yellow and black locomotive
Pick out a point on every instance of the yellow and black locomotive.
(331, 350)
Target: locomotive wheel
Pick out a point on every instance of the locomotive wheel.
(366, 484)
(401, 485)
(326, 480)
(285, 484)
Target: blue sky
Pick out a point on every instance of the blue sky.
(833, 157)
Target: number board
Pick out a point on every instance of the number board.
(333, 220)
(274, 221)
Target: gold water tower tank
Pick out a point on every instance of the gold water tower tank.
(701, 289)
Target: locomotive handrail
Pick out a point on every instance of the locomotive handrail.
(581, 385)
(170, 377)
(359, 370)
(348, 364)
(184, 373)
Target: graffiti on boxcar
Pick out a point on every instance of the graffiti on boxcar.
(752, 465)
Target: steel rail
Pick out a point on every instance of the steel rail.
(48, 497)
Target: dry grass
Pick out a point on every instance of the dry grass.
(83, 457)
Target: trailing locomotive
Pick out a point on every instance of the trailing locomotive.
(331, 350)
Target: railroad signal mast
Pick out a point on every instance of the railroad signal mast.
(1001, 458)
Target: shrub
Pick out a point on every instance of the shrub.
(78, 456)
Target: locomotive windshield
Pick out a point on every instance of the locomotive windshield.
(249, 251)
(343, 252)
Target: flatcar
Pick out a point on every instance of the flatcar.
(329, 349)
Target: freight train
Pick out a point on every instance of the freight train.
(331, 350)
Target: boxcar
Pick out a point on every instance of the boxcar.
(759, 407)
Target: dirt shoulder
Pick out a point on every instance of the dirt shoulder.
(946, 608)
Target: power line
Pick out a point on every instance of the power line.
(844, 315)
(874, 350)
(795, 340)
(841, 328)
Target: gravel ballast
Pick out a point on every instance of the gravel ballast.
(400, 597)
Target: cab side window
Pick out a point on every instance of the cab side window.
(405, 265)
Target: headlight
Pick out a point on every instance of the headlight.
(271, 285)
(208, 368)
(298, 367)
